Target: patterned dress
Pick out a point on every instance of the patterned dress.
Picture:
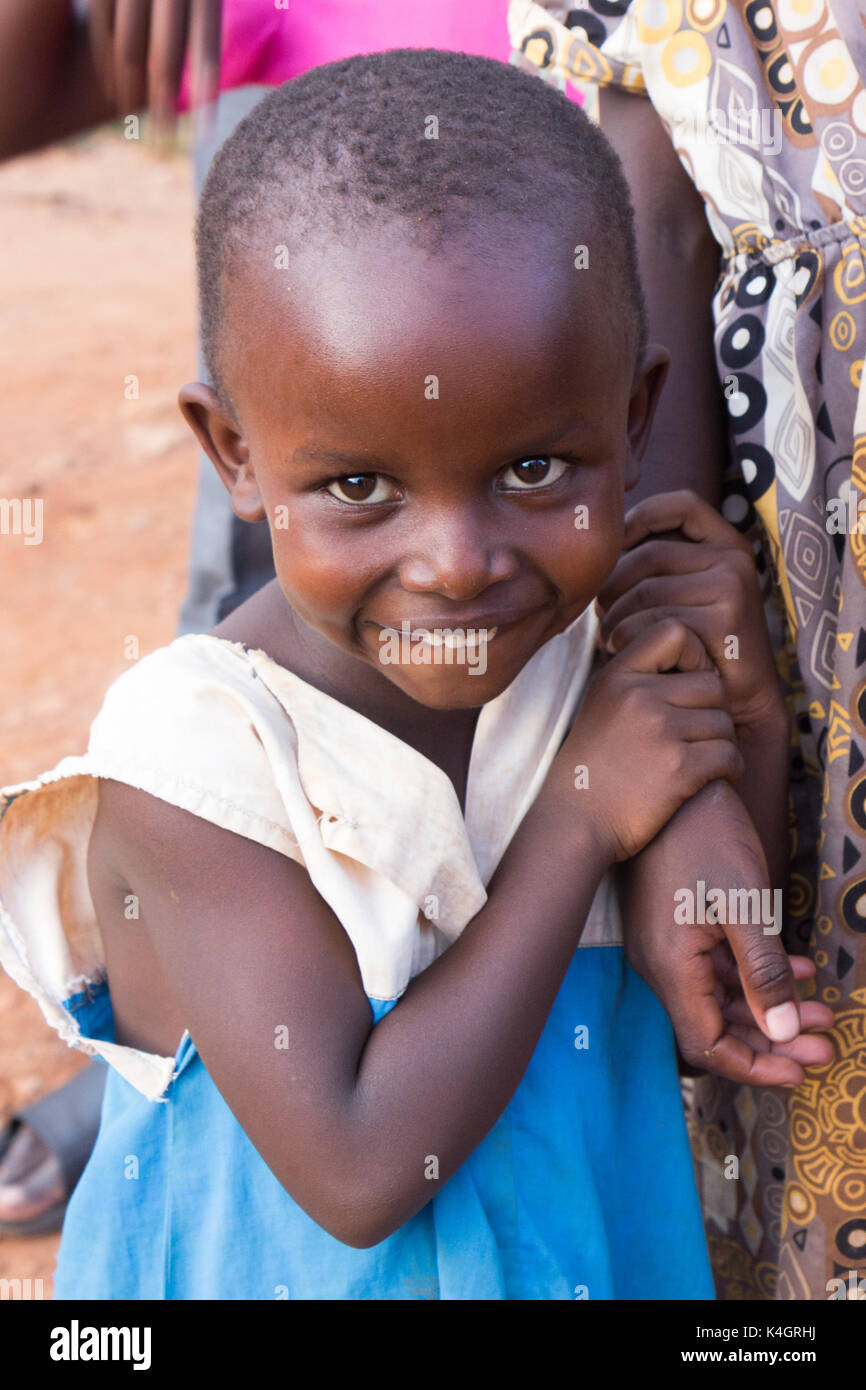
(764, 102)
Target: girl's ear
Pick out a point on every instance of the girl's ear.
(649, 378)
(218, 435)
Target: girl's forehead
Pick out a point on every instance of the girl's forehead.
(471, 319)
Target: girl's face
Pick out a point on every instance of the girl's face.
(440, 443)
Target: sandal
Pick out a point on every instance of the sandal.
(47, 1145)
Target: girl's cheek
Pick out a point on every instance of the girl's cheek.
(589, 554)
(320, 579)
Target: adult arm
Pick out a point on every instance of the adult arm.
(49, 87)
(679, 263)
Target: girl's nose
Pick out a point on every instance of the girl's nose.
(453, 555)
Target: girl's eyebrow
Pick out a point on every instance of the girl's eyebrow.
(544, 443)
(318, 455)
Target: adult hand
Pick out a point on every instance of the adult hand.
(730, 988)
(139, 48)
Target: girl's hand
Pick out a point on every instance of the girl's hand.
(730, 990)
(651, 731)
(139, 48)
(701, 572)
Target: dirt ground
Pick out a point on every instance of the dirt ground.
(96, 286)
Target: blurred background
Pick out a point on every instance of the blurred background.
(97, 286)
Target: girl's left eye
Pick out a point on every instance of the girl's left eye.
(365, 488)
(534, 474)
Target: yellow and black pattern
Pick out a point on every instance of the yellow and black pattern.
(765, 104)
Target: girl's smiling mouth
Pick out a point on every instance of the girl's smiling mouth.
(444, 642)
(444, 627)
(456, 638)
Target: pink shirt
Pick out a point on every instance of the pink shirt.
(266, 45)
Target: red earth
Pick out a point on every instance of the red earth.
(97, 287)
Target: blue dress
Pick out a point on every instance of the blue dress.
(583, 1189)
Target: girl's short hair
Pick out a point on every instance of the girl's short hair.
(427, 137)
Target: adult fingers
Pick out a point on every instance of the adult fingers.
(131, 38)
(706, 1041)
(695, 1012)
(766, 976)
(807, 1050)
(814, 1018)
(205, 44)
(100, 33)
(168, 36)
(735, 1059)
(728, 973)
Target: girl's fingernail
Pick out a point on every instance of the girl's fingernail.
(783, 1022)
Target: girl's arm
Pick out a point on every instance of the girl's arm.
(682, 560)
(347, 1116)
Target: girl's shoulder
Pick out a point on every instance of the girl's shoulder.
(193, 723)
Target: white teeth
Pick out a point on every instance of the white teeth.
(456, 640)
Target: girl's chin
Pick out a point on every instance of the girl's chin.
(438, 689)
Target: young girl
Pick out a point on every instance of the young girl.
(329, 889)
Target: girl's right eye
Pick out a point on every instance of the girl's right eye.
(363, 487)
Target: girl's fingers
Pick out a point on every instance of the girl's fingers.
(100, 33)
(695, 689)
(666, 646)
(616, 634)
(715, 760)
(652, 558)
(131, 38)
(689, 592)
(697, 725)
(168, 35)
(680, 511)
